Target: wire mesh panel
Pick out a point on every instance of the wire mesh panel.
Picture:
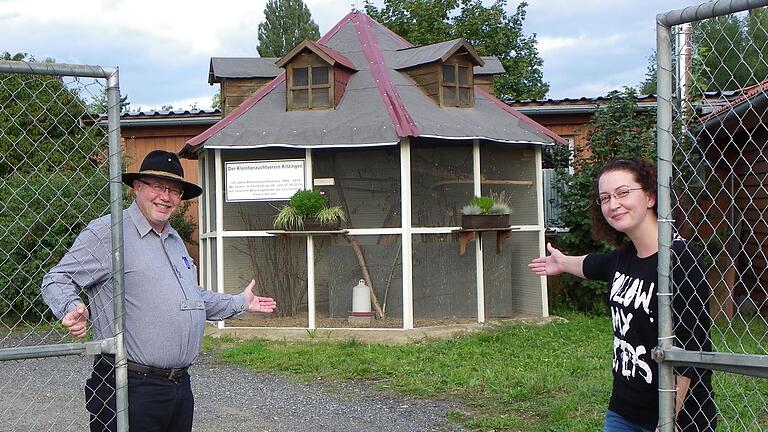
(713, 78)
(54, 179)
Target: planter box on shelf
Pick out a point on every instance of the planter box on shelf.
(482, 221)
(312, 224)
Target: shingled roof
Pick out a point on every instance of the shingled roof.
(242, 67)
(380, 105)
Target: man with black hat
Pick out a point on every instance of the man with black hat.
(165, 307)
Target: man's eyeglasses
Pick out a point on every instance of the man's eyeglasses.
(619, 194)
(159, 189)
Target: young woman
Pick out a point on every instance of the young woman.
(624, 214)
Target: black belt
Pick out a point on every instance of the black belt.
(172, 374)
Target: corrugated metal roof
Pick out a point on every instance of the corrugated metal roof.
(173, 113)
(379, 107)
(242, 67)
(159, 118)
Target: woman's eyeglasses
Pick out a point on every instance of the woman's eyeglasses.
(619, 194)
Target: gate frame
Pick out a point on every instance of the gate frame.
(665, 354)
(116, 344)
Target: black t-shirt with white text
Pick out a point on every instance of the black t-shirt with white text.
(633, 304)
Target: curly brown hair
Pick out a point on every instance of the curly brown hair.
(644, 172)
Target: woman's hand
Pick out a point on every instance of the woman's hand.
(550, 265)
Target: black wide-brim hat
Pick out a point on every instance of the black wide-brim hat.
(164, 165)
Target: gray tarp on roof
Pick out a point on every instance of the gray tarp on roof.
(242, 67)
(492, 66)
(362, 117)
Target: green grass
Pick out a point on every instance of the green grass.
(517, 377)
(553, 377)
(742, 400)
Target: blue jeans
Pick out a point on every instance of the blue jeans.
(617, 423)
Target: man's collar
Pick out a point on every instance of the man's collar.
(142, 224)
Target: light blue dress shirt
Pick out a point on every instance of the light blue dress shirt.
(165, 307)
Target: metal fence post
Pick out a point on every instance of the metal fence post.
(116, 209)
(664, 174)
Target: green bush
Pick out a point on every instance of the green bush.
(619, 130)
(308, 202)
(485, 203)
(183, 223)
(41, 214)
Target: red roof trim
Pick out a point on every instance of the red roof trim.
(237, 112)
(332, 53)
(401, 120)
(748, 93)
(521, 116)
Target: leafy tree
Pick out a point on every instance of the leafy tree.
(38, 118)
(648, 85)
(216, 100)
(487, 28)
(286, 24)
(729, 52)
(619, 130)
(721, 44)
(421, 22)
(99, 104)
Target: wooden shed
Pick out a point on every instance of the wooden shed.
(734, 140)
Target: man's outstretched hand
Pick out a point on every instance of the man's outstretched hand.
(257, 303)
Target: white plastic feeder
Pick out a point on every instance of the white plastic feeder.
(361, 304)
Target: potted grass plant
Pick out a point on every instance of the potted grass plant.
(308, 210)
(486, 212)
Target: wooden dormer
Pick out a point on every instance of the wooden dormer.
(444, 71)
(240, 77)
(316, 76)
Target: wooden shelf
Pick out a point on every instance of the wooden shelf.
(528, 183)
(287, 232)
(466, 235)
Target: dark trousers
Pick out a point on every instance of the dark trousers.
(154, 403)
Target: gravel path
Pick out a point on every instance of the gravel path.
(46, 394)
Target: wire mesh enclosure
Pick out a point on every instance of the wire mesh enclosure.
(55, 166)
(713, 178)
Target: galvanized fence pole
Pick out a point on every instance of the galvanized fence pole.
(116, 209)
(664, 176)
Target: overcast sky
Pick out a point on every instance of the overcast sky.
(163, 47)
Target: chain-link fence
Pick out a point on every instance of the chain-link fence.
(55, 170)
(713, 178)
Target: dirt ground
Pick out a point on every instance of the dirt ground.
(387, 330)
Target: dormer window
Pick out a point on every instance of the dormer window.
(309, 87)
(316, 76)
(457, 85)
(443, 71)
